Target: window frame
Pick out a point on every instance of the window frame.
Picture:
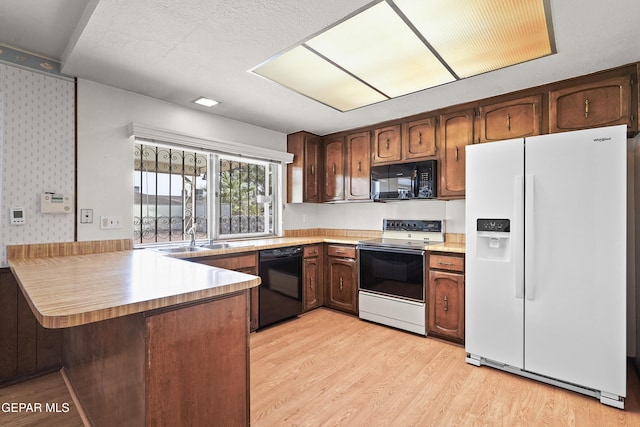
(276, 198)
(213, 192)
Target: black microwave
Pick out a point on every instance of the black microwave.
(405, 181)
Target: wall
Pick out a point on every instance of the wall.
(105, 153)
(37, 154)
(369, 215)
(105, 156)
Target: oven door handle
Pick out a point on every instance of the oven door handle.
(393, 250)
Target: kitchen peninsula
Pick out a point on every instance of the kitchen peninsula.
(148, 339)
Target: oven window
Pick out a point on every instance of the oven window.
(393, 274)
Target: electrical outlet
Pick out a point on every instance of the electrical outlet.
(110, 222)
(86, 216)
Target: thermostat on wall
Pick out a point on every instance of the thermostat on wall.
(56, 203)
(17, 216)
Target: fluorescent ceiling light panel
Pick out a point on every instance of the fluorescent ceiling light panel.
(206, 102)
(378, 47)
(309, 74)
(395, 47)
(475, 37)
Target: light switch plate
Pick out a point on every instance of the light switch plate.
(86, 216)
(110, 222)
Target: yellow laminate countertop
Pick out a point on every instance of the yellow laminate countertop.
(278, 242)
(66, 291)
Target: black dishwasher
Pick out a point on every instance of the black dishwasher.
(280, 294)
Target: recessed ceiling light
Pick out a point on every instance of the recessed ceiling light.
(206, 102)
(392, 48)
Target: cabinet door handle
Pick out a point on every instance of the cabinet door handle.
(310, 283)
(586, 108)
(312, 170)
(508, 121)
(444, 263)
(419, 138)
(456, 154)
(359, 168)
(334, 168)
(387, 144)
(341, 283)
(446, 303)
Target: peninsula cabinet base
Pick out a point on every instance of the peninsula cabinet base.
(187, 365)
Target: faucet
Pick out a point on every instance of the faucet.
(192, 232)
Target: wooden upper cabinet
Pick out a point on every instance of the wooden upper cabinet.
(304, 173)
(387, 145)
(605, 102)
(358, 179)
(312, 168)
(456, 132)
(511, 119)
(333, 169)
(419, 139)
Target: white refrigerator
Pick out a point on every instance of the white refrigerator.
(546, 259)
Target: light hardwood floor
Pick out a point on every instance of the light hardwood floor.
(331, 369)
(49, 389)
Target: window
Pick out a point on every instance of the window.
(172, 198)
(244, 206)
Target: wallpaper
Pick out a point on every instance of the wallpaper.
(37, 154)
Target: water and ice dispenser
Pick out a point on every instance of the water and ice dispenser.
(494, 239)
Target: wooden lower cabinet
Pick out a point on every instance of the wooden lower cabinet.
(244, 263)
(26, 348)
(445, 306)
(342, 278)
(186, 365)
(312, 294)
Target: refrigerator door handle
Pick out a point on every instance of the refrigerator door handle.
(530, 248)
(517, 234)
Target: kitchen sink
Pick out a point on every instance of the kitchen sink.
(218, 245)
(176, 249)
(224, 245)
(180, 249)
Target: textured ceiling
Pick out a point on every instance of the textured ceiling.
(180, 50)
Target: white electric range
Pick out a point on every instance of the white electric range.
(392, 280)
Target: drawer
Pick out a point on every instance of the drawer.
(446, 262)
(243, 262)
(311, 251)
(341, 251)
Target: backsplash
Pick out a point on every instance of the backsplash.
(37, 142)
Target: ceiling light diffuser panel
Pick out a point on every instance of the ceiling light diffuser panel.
(379, 48)
(396, 47)
(311, 75)
(475, 37)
